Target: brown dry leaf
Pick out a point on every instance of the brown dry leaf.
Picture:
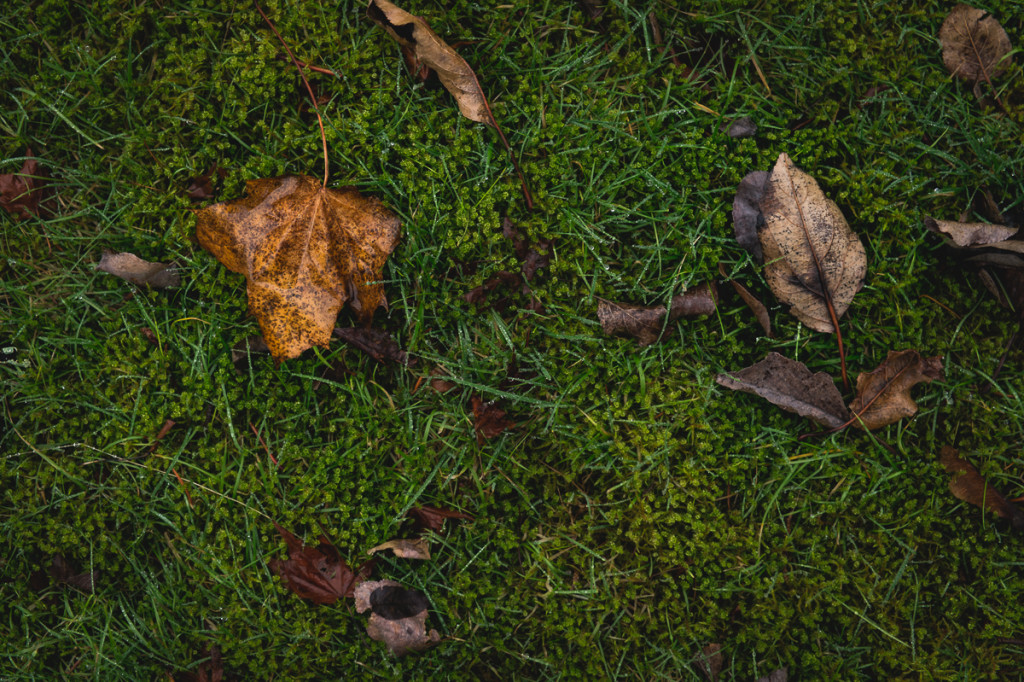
(791, 386)
(440, 384)
(709, 661)
(433, 518)
(317, 573)
(883, 394)
(741, 127)
(974, 44)
(305, 251)
(780, 675)
(407, 548)
(813, 260)
(976, 235)
(488, 419)
(376, 343)
(647, 323)
(971, 487)
(133, 269)
(24, 193)
(398, 617)
(755, 305)
(746, 212)
(428, 49)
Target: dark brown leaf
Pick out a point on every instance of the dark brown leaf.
(883, 395)
(405, 548)
(201, 188)
(528, 254)
(24, 193)
(433, 518)
(971, 487)
(438, 383)
(61, 572)
(133, 269)
(746, 212)
(647, 323)
(248, 345)
(317, 573)
(488, 419)
(376, 343)
(709, 661)
(305, 251)
(398, 617)
(741, 127)
(791, 386)
(974, 44)
(504, 281)
(813, 260)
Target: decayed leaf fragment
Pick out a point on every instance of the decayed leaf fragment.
(646, 323)
(489, 420)
(433, 518)
(455, 74)
(305, 251)
(791, 386)
(405, 548)
(398, 617)
(883, 394)
(22, 193)
(133, 269)
(813, 260)
(976, 235)
(971, 487)
(376, 343)
(746, 212)
(974, 44)
(317, 573)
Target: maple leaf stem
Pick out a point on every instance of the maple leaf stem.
(309, 90)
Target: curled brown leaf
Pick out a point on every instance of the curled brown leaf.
(131, 268)
(398, 617)
(883, 394)
(971, 487)
(647, 323)
(405, 548)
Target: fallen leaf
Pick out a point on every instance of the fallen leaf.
(428, 49)
(61, 572)
(746, 212)
(741, 127)
(247, 346)
(24, 193)
(305, 251)
(755, 305)
(317, 573)
(528, 254)
(593, 8)
(791, 386)
(971, 487)
(503, 281)
(438, 384)
(376, 343)
(133, 269)
(974, 44)
(883, 394)
(647, 323)
(408, 548)
(709, 661)
(398, 617)
(976, 235)
(780, 675)
(201, 188)
(813, 260)
(488, 419)
(433, 518)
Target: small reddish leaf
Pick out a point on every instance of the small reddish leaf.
(433, 518)
(131, 268)
(376, 343)
(488, 419)
(971, 487)
(24, 193)
(398, 617)
(316, 573)
(647, 323)
(883, 395)
(533, 256)
(405, 548)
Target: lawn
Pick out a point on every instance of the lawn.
(637, 512)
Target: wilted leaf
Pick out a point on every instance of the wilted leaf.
(709, 661)
(488, 419)
(305, 251)
(973, 44)
(398, 617)
(813, 260)
(971, 487)
(433, 518)
(741, 127)
(646, 323)
(976, 235)
(407, 548)
(376, 343)
(201, 188)
(453, 71)
(791, 386)
(317, 573)
(746, 212)
(130, 267)
(22, 193)
(883, 395)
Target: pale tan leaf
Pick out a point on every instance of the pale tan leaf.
(398, 617)
(133, 269)
(976, 235)
(974, 44)
(411, 548)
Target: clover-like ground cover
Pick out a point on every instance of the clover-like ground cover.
(638, 511)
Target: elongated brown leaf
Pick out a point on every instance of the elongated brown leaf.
(133, 269)
(398, 617)
(974, 44)
(317, 573)
(746, 212)
(791, 386)
(883, 394)
(455, 74)
(646, 323)
(754, 303)
(976, 235)
(813, 260)
(376, 343)
(305, 251)
(971, 487)
(433, 518)
(405, 548)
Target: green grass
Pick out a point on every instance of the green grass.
(638, 511)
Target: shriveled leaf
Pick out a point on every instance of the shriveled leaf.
(201, 188)
(746, 212)
(971, 487)
(646, 323)
(791, 386)
(488, 419)
(133, 269)
(376, 343)
(398, 617)
(24, 193)
(741, 127)
(433, 518)
(317, 573)
(974, 44)
(755, 305)
(883, 394)
(813, 260)
(976, 235)
(305, 251)
(408, 548)
(428, 49)
(709, 661)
